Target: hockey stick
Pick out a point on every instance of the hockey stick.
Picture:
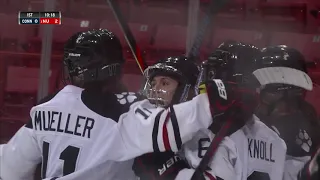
(214, 8)
(202, 167)
(136, 51)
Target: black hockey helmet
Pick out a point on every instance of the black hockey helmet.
(281, 68)
(282, 74)
(179, 68)
(232, 61)
(93, 56)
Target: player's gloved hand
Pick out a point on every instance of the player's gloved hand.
(229, 99)
(163, 166)
(225, 95)
(311, 170)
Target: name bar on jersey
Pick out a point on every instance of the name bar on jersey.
(39, 17)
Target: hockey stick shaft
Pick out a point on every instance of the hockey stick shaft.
(212, 149)
(213, 9)
(136, 51)
(205, 24)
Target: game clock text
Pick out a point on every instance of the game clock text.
(39, 18)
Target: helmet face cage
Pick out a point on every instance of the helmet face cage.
(273, 93)
(161, 97)
(158, 97)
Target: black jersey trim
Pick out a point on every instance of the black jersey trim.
(155, 132)
(175, 126)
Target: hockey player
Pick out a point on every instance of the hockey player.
(284, 109)
(253, 151)
(68, 128)
(79, 132)
(170, 81)
(231, 61)
(281, 72)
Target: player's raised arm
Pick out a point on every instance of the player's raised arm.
(148, 129)
(159, 129)
(155, 124)
(160, 123)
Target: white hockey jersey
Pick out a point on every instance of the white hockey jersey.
(293, 166)
(73, 142)
(1, 146)
(66, 136)
(297, 137)
(254, 152)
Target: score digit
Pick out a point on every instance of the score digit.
(56, 21)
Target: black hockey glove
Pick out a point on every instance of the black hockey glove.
(226, 98)
(162, 165)
(311, 170)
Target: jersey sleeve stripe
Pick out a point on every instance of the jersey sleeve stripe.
(165, 135)
(175, 126)
(210, 176)
(155, 132)
(172, 140)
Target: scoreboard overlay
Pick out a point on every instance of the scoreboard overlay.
(53, 17)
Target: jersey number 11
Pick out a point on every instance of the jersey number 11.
(69, 155)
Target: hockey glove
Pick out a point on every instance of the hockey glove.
(228, 99)
(225, 95)
(163, 166)
(311, 170)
